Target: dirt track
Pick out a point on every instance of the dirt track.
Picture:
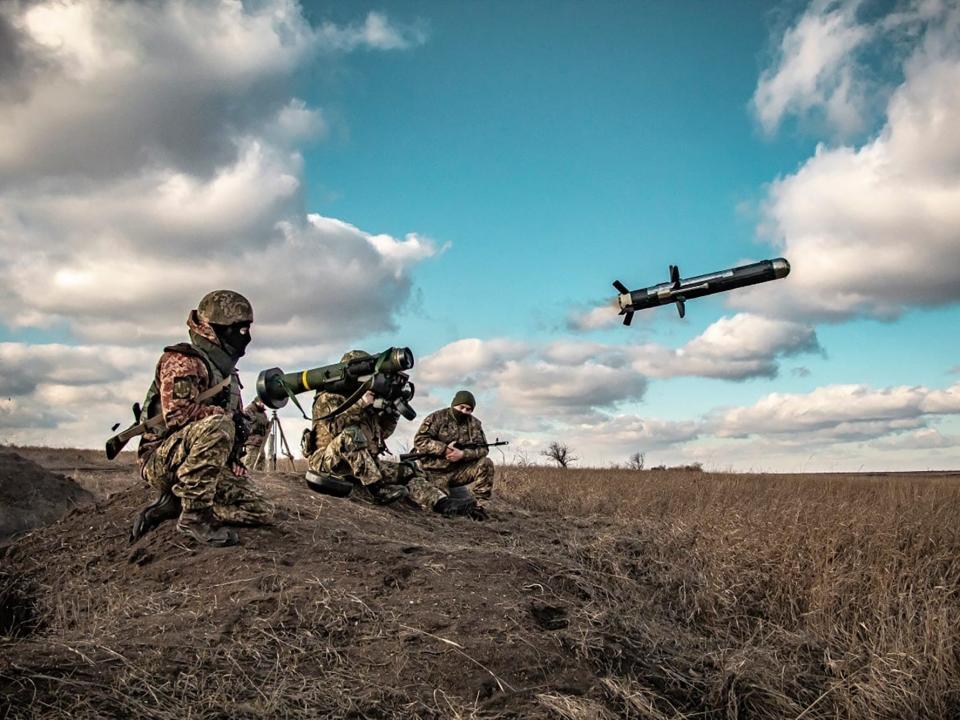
(342, 609)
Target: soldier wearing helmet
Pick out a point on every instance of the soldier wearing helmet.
(253, 458)
(348, 447)
(193, 461)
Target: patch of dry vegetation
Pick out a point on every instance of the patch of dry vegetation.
(815, 596)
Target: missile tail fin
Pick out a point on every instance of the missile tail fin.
(628, 318)
(620, 287)
(681, 307)
(675, 276)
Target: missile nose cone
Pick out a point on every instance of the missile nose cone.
(781, 268)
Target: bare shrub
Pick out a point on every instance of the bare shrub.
(636, 461)
(559, 453)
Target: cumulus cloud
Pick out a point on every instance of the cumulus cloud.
(874, 230)
(188, 176)
(571, 376)
(815, 69)
(838, 411)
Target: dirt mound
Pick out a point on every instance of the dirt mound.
(31, 496)
(342, 609)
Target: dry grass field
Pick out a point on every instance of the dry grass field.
(589, 595)
(780, 596)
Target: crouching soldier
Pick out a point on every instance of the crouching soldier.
(193, 459)
(452, 442)
(346, 447)
(253, 458)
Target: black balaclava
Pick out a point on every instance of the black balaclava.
(233, 338)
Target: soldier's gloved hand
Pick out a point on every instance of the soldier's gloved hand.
(369, 397)
(239, 469)
(453, 453)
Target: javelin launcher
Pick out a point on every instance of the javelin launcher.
(383, 374)
(678, 290)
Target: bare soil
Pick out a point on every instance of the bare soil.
(342, 609)
(32, 496)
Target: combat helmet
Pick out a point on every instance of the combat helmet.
(354, 355)
(225, 307)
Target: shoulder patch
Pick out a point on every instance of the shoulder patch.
(184, 388)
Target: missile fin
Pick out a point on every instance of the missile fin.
(620, 287)
(681, 307)
(627, 318)
(675, 276)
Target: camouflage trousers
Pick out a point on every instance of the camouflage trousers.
(348, 454)
(478, 474)
(194, 462)
(253, 459)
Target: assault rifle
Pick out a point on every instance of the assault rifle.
(465, 446)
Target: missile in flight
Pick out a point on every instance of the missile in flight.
(679, 290)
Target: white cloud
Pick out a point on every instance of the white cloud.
(874, 230)
(571, 376)
(839, 411)
(815, 69)
(188, 176)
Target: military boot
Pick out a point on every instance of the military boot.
(450, 506)
(203, 526)
(165, 507)
(386, 493)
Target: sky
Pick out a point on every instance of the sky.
(468, 179)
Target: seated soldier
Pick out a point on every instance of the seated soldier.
(445, 437)
(193, 460)
(348, 447)
(253, 458)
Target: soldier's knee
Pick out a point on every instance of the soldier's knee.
(221, 425)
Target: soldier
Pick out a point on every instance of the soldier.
(256, 412)
(193, 461)
(442, 437)
(348, 447)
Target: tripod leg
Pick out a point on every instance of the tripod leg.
(286, 446)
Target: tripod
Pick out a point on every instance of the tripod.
(275, 440)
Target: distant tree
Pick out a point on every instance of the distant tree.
(636, 461)
(559, 453)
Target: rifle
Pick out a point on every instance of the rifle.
(465, 446)
(115, 444)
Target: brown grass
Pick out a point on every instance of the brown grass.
(814, 596)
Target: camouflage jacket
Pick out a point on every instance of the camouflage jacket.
(179, 378)
(441, 428)
(376, 426)
(259, 422)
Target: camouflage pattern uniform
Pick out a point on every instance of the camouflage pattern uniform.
(351, 443)
(192, 455)
(436, 432)
(259, 427)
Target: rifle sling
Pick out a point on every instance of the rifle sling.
(157, 420)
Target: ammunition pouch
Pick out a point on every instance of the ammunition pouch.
(308, 442)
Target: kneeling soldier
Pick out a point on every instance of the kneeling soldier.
(445, 437)
(193, 460)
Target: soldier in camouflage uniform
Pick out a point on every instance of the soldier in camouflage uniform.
(259, 427)
(348, 447)
(447, 465)
(192, 461)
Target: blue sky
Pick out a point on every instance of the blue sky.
(482, 172)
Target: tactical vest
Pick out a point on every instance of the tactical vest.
(228, 399)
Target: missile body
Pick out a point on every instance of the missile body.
(679, 290)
